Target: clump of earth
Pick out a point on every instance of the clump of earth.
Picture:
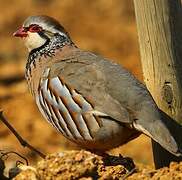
(85, 165)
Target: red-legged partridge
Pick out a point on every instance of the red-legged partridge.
(90, 100)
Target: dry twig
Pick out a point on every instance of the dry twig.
(20, 139)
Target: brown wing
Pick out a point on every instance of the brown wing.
(89, 81)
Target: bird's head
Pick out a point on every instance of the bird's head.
(37, 30)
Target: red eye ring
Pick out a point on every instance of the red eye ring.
(34, 28)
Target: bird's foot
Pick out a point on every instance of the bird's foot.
(111, 160)
(127, 162)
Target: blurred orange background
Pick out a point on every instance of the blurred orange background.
(103, 27)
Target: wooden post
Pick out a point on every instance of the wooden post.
(159, 24)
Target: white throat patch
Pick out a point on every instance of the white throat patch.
(33, 41)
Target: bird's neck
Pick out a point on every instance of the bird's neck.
(46, 50)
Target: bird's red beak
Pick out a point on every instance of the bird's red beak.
(20, 33)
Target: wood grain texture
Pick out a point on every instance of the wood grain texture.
(159, 25)
(160, 39)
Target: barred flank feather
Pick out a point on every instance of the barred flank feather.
(67, 110)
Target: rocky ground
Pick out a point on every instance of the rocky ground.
(70, 165)
(103, 27)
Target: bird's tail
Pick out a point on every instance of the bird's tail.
(158, 130)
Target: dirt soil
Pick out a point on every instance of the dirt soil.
(86, 166)
(103, 27)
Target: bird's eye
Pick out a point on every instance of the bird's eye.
(35, 28)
